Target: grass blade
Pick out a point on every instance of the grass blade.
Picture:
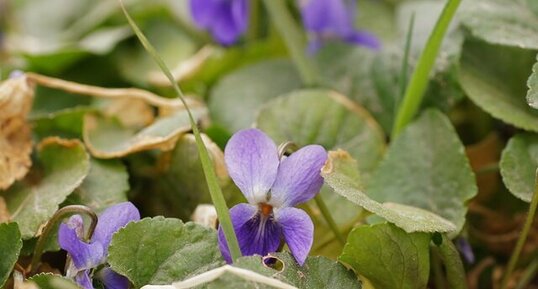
(211, 179)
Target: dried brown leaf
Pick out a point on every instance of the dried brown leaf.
(16, 97)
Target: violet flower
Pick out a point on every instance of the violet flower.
(333, 19)
(227, 20)
(272, 187)
(86, 256)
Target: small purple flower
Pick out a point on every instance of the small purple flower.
(465, 249)
(227, 20)
(86, 256)
(333, 19)
(272, 187)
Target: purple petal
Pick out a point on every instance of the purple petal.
(111, 220)
(203, 11)
(298, 231)
(333, 17)
(364, 39)
(465, 249)
(84, 255)
(255, 233)
(112, 280)
(240, 9)
(83, 279)
(252, 161)
(224, 29)
(298, 179)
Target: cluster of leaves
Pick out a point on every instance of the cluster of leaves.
(451, 173)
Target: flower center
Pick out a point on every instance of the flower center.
(266, 209)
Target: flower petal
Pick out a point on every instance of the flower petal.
(225, 29)
(298, 231)
(240, 10)
(112, 280)
(203, 12)
(332, 17)
(363, 38)
(84, 255)
(298, 179)
(256, 234)
(83, 279)
(113, 219)
(252, 161)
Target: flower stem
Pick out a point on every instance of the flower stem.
(209, 171)
(455, 274)
(294, 39)
(522, 237)
(419, 80)
(329, 218)
(58, 216)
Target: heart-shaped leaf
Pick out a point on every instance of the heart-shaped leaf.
(31, 202)
(388, 256)
(236, 99)
(341, 174)
(326, 118)
(426, 167)
(494, 78)
(161, 251)
(519, 162)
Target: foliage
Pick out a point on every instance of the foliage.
(432, 139)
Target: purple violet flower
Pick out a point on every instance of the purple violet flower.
(227, 20)
(86, 256)
(272, 187)
(333, 19)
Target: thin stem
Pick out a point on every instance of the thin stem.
(254, 21)
(522, 237)
(455, 273)
(437, 266)
(405, 60)
(58, 216)
(419, 80)
(294, 39)
(528, 275)
(209, 171)
(329, 218)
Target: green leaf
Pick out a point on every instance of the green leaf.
(426, 167)
(519, 25)
(137, 66)
(161, 251)
(519, 161)
(107, 138)
(388, 256)
(53, 281)
(66, 123)
(532, 83)
(340, 173)
(326, 118)
(182, 183)
(236, 99)
(455, 273)
(494, 78)
(10, 247)
(64, 165)
(317, 272)
(107, 184)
